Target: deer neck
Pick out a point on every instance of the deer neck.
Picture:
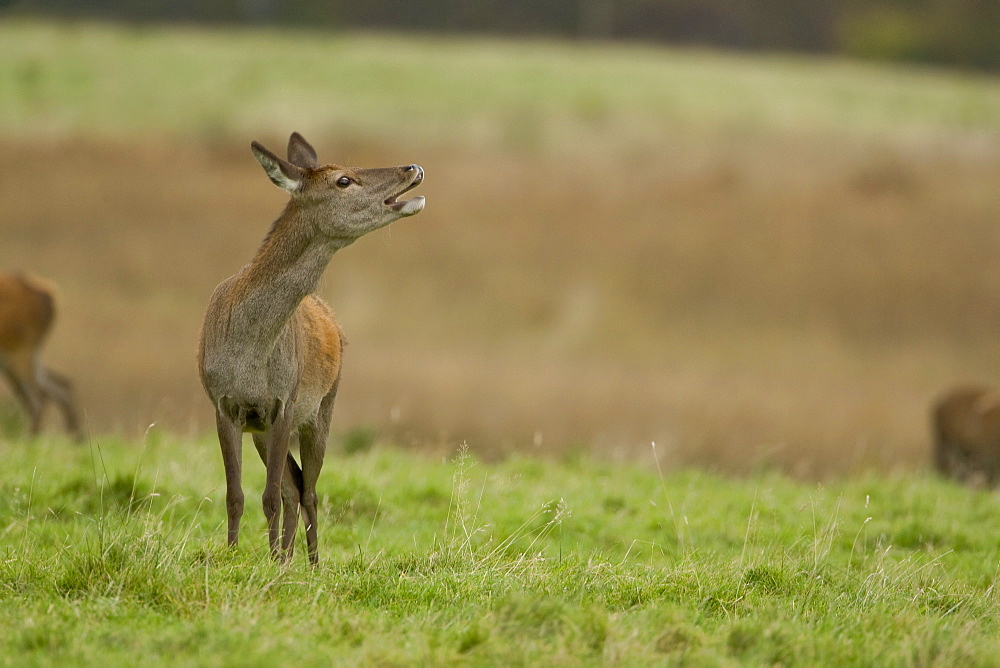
(286, 268)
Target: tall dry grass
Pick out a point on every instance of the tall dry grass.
(753, 262)
(767, 302)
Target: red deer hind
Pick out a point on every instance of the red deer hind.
(966, 430)
(27, 309)
(270, 351)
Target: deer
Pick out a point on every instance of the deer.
(270, 350)
(27, 311)
(965, 423)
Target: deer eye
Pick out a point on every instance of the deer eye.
(344, 181)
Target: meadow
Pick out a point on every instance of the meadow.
(647, 382)
(116, 556)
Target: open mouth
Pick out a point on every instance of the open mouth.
(408, 207)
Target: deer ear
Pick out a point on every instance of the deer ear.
(301, 153)
(285, 175)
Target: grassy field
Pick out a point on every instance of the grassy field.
(765, 266)
(114, 554)
(757, 262)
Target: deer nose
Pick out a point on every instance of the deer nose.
(415, 168)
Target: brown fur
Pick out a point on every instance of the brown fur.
(27, 311)
(271, 352)
(966, 430)
(324, 343)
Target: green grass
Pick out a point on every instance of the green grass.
(85, 78)
(114, 554)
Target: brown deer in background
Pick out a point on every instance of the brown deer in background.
(27, 309)
(270, 351)
(966, 430)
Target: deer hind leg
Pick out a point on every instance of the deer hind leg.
(20, 370)
(312, 443)
(964, 467)
(231, 443)
(59, 389)
(950, 458)
(291, 495)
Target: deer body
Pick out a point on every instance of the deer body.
(270, 352)
(27, 310)
(274, 333)
(966, 429)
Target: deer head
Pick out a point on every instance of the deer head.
(343, 203)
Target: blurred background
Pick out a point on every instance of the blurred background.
(761, 234)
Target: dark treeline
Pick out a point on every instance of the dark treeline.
(962, 33)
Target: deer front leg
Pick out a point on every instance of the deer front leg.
(312, 446)
(291, 495)
(230, 440)
(277, 451)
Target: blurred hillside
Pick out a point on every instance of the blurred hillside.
(962, 33)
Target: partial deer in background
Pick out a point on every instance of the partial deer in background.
(27, 309)
(270, 350)
(966, 430)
